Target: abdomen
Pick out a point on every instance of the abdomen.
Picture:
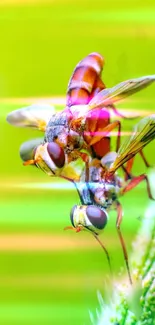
(85, 81)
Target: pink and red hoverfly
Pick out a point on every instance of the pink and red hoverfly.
(82, 129)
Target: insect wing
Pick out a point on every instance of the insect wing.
(143, 133)
(108, 96)
(35, 116)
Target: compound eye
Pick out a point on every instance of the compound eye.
(72, 214)
(56, 153)
(96, 216)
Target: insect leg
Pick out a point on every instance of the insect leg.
(130, 162)
(135, 181)
(87, 170)
(144, 159)
(118, 136)
(103, 132)
(127, 175)
(105, 250)
(122, 115)
(128, 168)
(118, 224)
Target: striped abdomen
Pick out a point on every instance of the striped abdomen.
(85, 81)
(96, 121)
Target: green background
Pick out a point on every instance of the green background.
(48, 276)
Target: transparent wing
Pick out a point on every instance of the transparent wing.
(35, 116)
(143, 133)
(126, 88)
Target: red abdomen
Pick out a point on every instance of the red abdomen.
(97, 120)
(85, 81)
(84, 84)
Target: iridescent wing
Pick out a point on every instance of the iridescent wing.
(35, 116)
(143, 133)
(109, 96)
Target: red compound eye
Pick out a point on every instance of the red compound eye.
(56, 153)
(96, 216)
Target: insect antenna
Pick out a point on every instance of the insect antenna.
(105, 250)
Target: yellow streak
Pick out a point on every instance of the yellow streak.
(36, 2)
(23, 242)
(38, 242)
(26, 2)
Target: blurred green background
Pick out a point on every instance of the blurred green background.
(48, 276)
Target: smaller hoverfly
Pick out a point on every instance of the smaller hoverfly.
(99, 194)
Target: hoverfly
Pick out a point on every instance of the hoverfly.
(82, 129)
(101, 192)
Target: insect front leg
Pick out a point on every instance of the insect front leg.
(118, 224)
